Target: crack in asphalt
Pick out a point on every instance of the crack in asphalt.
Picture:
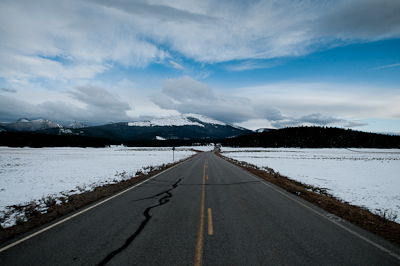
(161, 201)
(228, 184)
(224, 184)
(207, 184)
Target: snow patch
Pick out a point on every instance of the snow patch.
(204, 119)
(39, 124)
(76, 125)
(23, 120)
(32, 175)
(363, 177)
(261, 130)
(65, 131)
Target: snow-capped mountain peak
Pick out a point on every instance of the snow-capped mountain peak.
(204, 119)
(76, 125)
(25, 124)
(180, 120)
(23, 120)
(260, 130)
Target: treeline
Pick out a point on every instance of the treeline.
(166, 143)
(302, 137)
(314, 137)
(35, 140)
(40, 140)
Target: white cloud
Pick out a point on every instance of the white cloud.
(312, 119)
(79, 39)
(101, 106)
(355, 123)
(100, 102)
(340, 100)
(186, 89)
(176, 65)
(12, 109)
(252, 64)
(51, 46)
(23, 66)
(60, 40)
(187, 95)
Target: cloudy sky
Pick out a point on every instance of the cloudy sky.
(272, 63)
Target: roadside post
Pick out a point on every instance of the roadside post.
(173, 154)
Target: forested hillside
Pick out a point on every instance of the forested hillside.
(35, 140)
(314, 137)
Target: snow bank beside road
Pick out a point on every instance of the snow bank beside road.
(363, 177)
(28, 174)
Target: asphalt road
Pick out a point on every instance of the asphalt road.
(203, 211)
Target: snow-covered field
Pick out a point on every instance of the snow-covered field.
(363, 177)
(28, 174)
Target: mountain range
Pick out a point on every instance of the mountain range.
(184, 130)
(24, 124)
(185, 127)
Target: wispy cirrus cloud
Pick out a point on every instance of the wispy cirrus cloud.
(253, 64)
(387, 66)
(176, 65)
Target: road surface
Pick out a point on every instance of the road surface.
(204, 211)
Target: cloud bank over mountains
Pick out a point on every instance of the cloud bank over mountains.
(102, 107)
(184, 95)
(187, 95)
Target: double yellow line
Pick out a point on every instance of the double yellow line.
(200, 232)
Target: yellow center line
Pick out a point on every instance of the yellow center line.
(210, 225)
(199, 241)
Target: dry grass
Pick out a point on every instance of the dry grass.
(381, 225)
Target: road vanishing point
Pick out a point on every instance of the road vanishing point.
(204, 211)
